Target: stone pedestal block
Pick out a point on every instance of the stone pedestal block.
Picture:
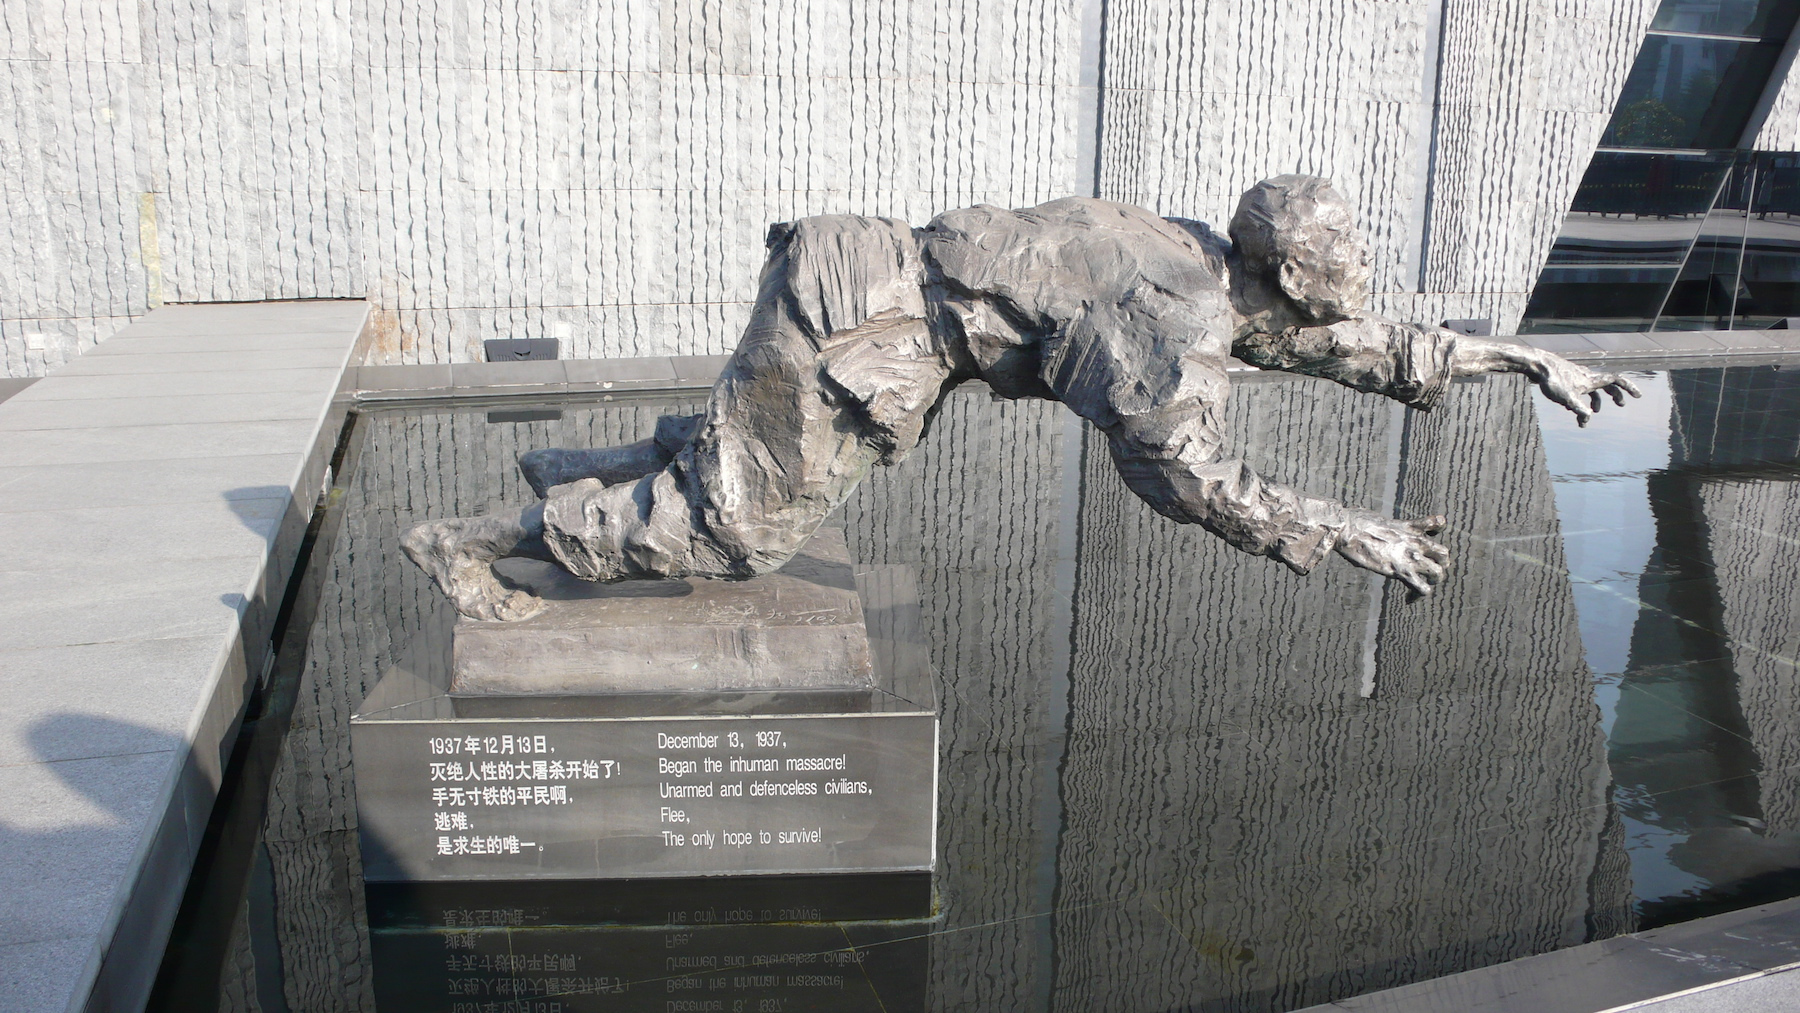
(800, 628)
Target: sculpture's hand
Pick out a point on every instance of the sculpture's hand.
(1397, 549)
(1570, 385)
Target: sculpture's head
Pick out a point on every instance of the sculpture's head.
(1298, 231)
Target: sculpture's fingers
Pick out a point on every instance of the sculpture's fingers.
(1422, 576)
(1429, 525)
(1568, 399)
(1416, 582)
(1627, 386)
(1436, 553)
(1594, 401)
(1437, 571)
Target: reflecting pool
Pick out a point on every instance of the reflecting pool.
(1171, 775)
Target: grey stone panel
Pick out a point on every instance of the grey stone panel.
(175, 442)
(204, 362)
(138, 483)
(1767, 992)
(10, 387)
(1619, 973)
(132, 342)
(229, 381)
(1780, 129)
(201, 409)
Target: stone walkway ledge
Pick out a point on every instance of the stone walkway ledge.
(1635, 349)
(1739, 962)
(153, 496)
(526, 381)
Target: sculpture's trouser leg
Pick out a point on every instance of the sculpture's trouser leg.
(778, 450)
(545, 469)
(836, 371)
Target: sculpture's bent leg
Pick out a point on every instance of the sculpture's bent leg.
(545, 469)
(836, 372)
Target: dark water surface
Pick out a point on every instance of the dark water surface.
(1172, 776)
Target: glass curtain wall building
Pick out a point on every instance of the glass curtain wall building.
(1676, 226)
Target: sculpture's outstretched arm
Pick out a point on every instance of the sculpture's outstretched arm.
(1174, 459)
(1409, 363)
(1414, 363)
(1575, 387)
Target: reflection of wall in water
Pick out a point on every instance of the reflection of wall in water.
(1753, 532)
(1313, 843)
(976, 505)
(373, 605)
(1261, 715)
(1736, 434)
(976, 508)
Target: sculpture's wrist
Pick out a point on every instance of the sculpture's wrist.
(1474, 356)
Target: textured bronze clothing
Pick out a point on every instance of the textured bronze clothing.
(862, 324)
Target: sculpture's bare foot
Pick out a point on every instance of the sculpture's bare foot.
(1398, 549)
(458, 556)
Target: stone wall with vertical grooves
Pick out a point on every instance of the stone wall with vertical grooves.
(1227, 781)
(1780, 130)
(601, 171)
(1202, 100)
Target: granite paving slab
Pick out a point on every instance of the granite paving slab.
(138, 483)
(124, 411)
(153, 494)
(224, 381)
(172, 442)
(1762, 994)
(204, 362)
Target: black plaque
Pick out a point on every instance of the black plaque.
(585, 798)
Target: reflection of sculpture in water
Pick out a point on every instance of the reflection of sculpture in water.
(862, 324)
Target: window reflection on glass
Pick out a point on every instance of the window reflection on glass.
(1646, 185)
(1632, 223)
(1709, 285)
(1577, 299)
(1770, 283)
(1761, 19)
(1690, 92)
